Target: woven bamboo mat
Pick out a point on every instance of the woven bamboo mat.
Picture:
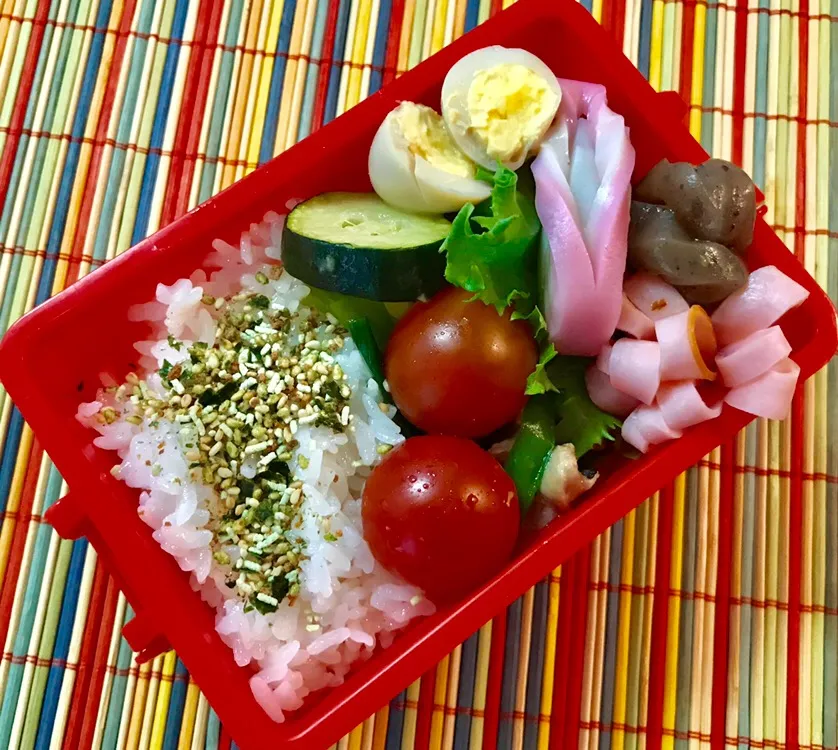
(709, 616)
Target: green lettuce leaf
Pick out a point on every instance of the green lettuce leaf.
(491, 249)
(582, 422)
(534, 317)
(539, 380)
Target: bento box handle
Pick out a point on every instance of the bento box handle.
(69, 518)
(144, 638)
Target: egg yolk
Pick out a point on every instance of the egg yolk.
(426, 136)
(509, 107)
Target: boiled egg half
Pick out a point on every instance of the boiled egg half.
(498, 103)
(415, 165)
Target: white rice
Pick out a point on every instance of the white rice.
(348, 605)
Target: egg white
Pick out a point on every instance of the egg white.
(407, 181)
(455, 90)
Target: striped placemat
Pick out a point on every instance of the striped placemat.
(709, 616)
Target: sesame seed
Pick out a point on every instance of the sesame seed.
(267, 458)
(275, 377)
(255, 448)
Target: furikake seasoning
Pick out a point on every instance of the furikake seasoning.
(239, 404)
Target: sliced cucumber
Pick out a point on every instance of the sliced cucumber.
(355, 243)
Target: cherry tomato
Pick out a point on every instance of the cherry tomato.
(442, 513)
(457, 367)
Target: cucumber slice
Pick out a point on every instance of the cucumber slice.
(356, 244)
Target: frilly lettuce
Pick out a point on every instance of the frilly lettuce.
(491, 249)
(581, 421)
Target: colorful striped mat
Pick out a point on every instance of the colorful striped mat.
(709, 616)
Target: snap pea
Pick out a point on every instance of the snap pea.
(531, 449)
(361, 330)
(362, 334)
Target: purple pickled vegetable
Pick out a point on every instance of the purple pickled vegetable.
(704, 272)
(715, 201)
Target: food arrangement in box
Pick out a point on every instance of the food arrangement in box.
(351, 417)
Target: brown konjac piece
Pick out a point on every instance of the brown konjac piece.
(704, 272)
(715, 201)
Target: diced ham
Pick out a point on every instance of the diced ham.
(688, 345)
(768, 295)
(606, 396)
(653, 297)
(748, 358)
(603, 358)
(682, 405)
(634, 322)
(770, 394)
(645, 427)
(634, 368)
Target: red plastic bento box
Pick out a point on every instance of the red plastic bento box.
(86, 330)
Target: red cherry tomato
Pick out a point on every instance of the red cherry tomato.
(457, 367)
(442, 513)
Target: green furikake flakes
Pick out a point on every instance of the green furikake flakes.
(239, 403)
